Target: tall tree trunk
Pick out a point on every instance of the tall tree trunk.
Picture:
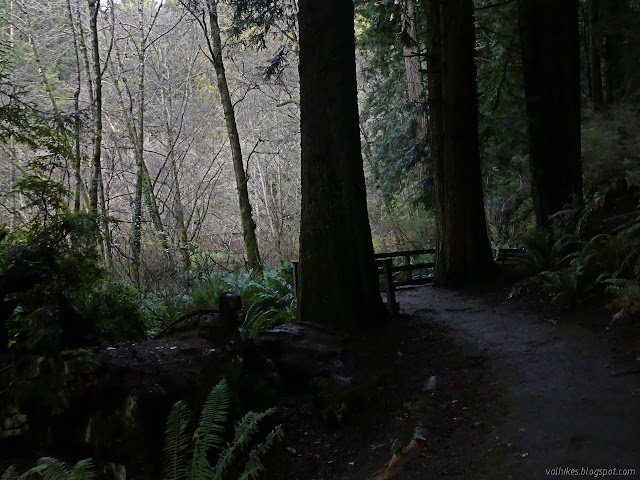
(595, 54)
(434, 102)
(97, 202)
(178, 207)
(41, 72)
(338, 277)
(76, 108)
(12, 153)
(614, 17)
(136, 228)
(410, 52)
(463, 250)
(96, 173)
(47, 87)
(552, 79)
(135, 123)
(246, 216)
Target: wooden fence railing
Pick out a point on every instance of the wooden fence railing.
(510, 256)
(386, 269)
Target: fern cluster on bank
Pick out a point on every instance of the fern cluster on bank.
(268, 299)
(574, 271)
(184, 461)
(49, 468)
(186, 456)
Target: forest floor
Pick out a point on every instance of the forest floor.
(521, 387)
(500, 389)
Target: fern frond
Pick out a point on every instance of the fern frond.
(209, 434)
(49, 468)
(176, 443)
(83, 470)
(244, 431)
(10, 473)
(254, 466)
(52, 469)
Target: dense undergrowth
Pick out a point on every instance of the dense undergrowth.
(187, 455)
(54, 285)
(590, 253)
(576, 271)
(267, 299)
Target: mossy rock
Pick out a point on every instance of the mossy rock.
(78, 361)
(13, 423)
(337, 399)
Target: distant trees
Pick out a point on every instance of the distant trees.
(613, 37)
(214, 47)
(338, 278)
(185, 139)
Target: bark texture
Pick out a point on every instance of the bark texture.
(595, 54)
(246, 215)
(550, 54)
(463, 251)
(338, 278)
(96, 173)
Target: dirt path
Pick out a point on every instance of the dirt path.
(567, 404)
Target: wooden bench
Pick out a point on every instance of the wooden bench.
(510, 256)
(386, 269)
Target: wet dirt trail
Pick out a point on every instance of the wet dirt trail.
(566, 402)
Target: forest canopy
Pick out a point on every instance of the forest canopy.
(162, 138)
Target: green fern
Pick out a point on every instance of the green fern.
(254, 466)
(565, 285)
(177, 443)
(48, 468)
(209, 436)
(209, 433)
(625, 293)
(245, 429)
(270, 301)
(546, 252)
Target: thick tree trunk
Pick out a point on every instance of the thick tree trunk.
(412, 65)
(614, 13)
(463, 250)
(338, 277)
(246, 215)
(595, 54)
(410, 52)
(434, 102)
(550, 54)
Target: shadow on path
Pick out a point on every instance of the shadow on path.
(566, 406)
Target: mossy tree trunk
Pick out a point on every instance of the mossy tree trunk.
(338, 277)
(246, 214)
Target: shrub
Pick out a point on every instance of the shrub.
(114, 306)
(268, 299)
